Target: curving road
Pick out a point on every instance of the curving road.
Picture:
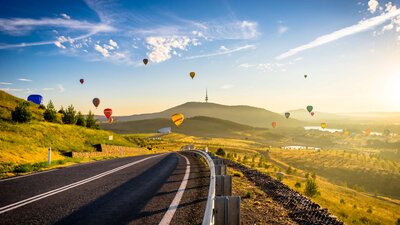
(154, 189)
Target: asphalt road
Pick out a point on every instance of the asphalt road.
(171, 188)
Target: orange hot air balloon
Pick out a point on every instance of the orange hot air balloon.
(367, 131)
(274, 124)
(96, 102)
(81, 80)
(323, 125)
(312, 113)
(192, 74)
(108, 113)
(145, 61)
(110, 120)
(177, 119)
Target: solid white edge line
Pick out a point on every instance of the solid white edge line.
(175, 202)
(67, 187)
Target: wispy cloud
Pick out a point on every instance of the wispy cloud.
(162, 48)
(24, 80)
(359, 27)
(102, 50)
(282, 29)
(271, 67)
(227, 86)
(65, 16)
(61, 88)
(224, 52)
(11, 89)
(48, 89)
(5, 83)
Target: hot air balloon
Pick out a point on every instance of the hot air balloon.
(37, 99)
(81, 80)
(96, 102)
(287, 115)
(110, 120)
(305, 75)
(323, 125)
(192, 74)
(312, 113)
(145, 61)
(273, 124)
(177, 119)
(367, 131)
(108, 113)
(309, 108)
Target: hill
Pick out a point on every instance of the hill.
(247, 115)
(8, 103)
(196, 126)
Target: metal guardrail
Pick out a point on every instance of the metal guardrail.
(208, 218)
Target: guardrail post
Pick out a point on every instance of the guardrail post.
(220, 170)
(223, 184)
(49, 156)
(227, 210)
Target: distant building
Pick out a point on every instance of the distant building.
(294, 147)
(187, 147)
(165, 130)
(206, 96)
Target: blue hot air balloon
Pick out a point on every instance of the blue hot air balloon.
(37, 99)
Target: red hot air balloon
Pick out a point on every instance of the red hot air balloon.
(81, 80)
(312, 113)
(108, 113)
(274, 124)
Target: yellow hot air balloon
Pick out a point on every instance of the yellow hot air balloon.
(177, 119)
(192, 74)
(323, 125)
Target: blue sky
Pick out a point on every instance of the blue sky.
(244, 52)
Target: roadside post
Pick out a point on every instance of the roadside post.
(49, 156)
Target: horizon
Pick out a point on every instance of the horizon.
(245, 54)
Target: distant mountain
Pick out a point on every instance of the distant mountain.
(247, 115)
(196, 126)
(304, 115)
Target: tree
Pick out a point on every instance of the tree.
(21, 113)
(311, 188)
(80, 120)
(69, 115)
(50, 114)
(90, 121)
(220, 152)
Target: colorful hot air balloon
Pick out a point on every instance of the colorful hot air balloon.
(323, 125)
(81, 80)
(287, 114)
(108, 113)
(312, 113)
(305, 75)
(192, 74)
(274, 124)
(145, 61)
(110, 120)
(96, 102)
(177, 119)
(309, 108)
(367, 131)
(37, 99)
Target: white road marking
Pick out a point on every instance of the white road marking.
(67, 187)
(175, 203)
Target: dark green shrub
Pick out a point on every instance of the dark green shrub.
(69, 115)
(311, 188)
(50, 114)
(21, 113)
(220, 152)
(80, 120)
(297, 185)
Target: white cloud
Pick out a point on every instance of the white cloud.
(272, 67)
(24, 80)
(223, 48)
(113, 43)
(102, 50)
(61, 88)
(227, 86)
(373, 5)
(48, 89)
(162, 47)
(390, 26)
(229, 51)
(282, 29)
(359, 27)
(65, 16)
(58, 44)
(5, 83)
(11, 89)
